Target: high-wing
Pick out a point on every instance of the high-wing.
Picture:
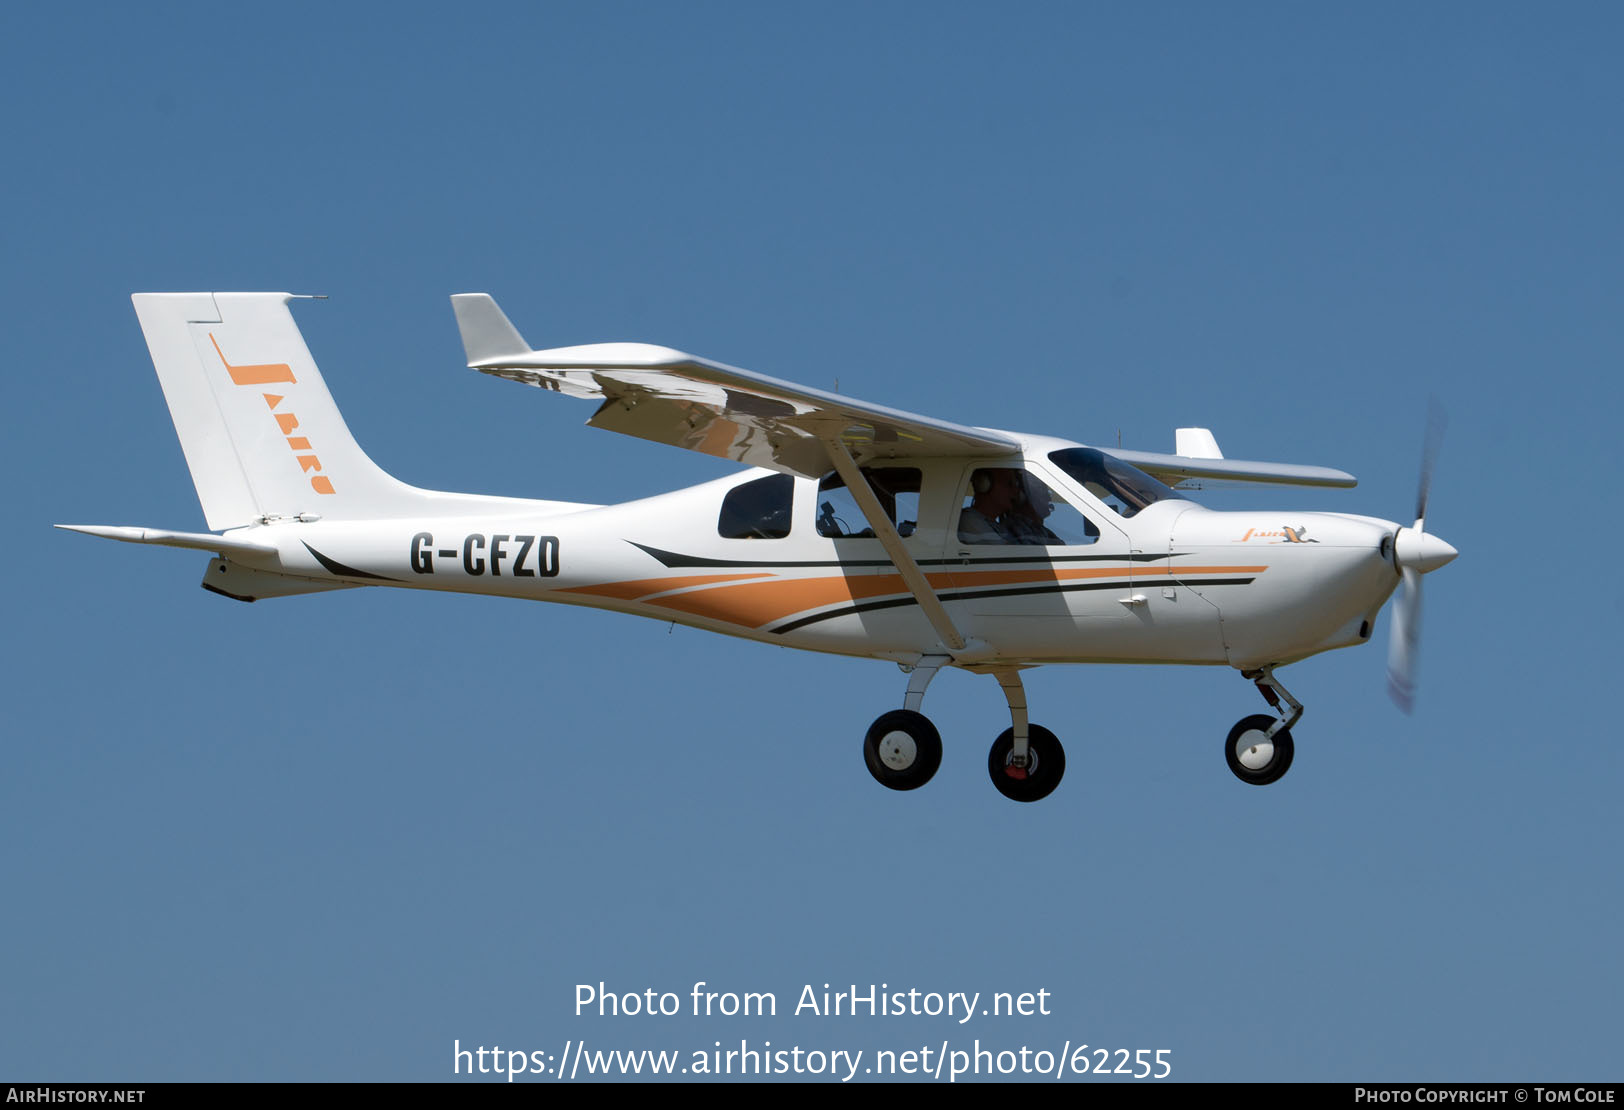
(667, 396)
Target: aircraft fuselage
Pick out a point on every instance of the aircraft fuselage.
(1172, 583)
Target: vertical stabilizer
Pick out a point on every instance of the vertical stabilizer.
(260, 431)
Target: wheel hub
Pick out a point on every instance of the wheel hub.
(898, 751)
(1031, 778)
(1019, 771)
(1254, 750)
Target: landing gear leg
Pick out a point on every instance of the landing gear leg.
(902, 748)
(1273, 691)
(919, 680)
(1259, 748)
(1026, 761)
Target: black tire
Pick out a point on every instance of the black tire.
(927, 750)
(1277, 766)
(1040, 777)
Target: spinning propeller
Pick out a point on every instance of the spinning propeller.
(1414, 553)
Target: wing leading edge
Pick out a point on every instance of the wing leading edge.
(660, 394)
(1196, 462)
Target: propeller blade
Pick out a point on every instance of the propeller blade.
(1415, 553)
(1436, 423)
(1403, 648)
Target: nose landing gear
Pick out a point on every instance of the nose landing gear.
(1259, 748)
(1255, 756)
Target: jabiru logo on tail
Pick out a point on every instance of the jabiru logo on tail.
(271, 373)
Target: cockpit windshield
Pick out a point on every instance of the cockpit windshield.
(1125, 489)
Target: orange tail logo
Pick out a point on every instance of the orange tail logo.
(270, 373)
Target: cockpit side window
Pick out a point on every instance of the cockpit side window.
(895, 487)
(1012, 505)
(1125, 489)
(758, 510)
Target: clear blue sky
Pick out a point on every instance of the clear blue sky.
(325, 837)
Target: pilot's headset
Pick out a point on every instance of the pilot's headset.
(981, 480)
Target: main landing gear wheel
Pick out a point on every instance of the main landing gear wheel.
(902, 749)
(1045, 763)
(1256, 757)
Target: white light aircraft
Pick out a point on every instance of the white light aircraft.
(860, 530)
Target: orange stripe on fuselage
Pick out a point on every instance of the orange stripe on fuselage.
(647, 587)
(757, 604)
(753, 604)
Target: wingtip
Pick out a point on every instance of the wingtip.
(487, 333)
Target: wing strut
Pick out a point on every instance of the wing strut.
(886, 532)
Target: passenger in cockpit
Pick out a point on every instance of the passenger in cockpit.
(995, 491)
(1032, 507)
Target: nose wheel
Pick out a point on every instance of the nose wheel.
(1259, 748)
(902, 749)
(1256, 757)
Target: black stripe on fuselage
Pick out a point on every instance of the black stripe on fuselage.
(676, 559)
(335, 567)
(971, 595)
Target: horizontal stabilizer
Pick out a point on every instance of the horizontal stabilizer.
(197, 541)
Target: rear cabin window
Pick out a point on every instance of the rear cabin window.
(895, 487)
(758, 510)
